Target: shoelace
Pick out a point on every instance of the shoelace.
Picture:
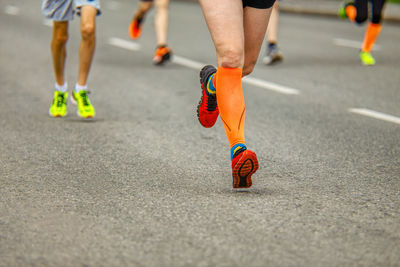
(60, 100)
(84, 96)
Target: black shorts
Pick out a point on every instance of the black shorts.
(260, 4)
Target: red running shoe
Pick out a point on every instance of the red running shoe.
(163, 53)
(244, 165)
(135, 28)
(207, 110)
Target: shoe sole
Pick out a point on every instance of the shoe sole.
(202, 77)
(58, 115)
(246, 166)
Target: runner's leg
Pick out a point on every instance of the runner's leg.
(161, 21)
(58, 49)
(255, 23)
(374, 27)
(143, 8)
(88, 42)
(272, 30)
(225, 22)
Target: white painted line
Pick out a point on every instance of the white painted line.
(249, 80)
(48, 22)
(198, 65)
(129, 45)
(187, 62)
(271, 86)
(375, 114)
(352, 44)
(11, 10)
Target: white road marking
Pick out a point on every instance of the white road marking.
(375, 114)
(11, 10)
(352, 44)
(271, 86)
(187, 62)
(198, 65)
(129, 45)
(48, 22)
(249, 80)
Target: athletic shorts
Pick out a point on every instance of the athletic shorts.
(63, 10)
(260, 4)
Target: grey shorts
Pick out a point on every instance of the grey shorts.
(63, 10)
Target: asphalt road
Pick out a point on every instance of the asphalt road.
(143, 184)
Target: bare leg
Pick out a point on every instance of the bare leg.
(142, 9)
(237, 34)
(255, 25)
(272, 31)
(58, 49)
(88, 42)
(161, 21)
(225, 23)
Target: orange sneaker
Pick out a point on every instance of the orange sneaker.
(135, 28)
(163, 53)
(244, 165)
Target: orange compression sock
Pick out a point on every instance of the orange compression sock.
(231, 103)
(371, 34)
(351, 12)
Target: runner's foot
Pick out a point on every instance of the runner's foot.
(85, 108)
(342, 9)
(207, 109)
(244, 165)
(367, 59)
(273, 54)
(135, 28)
(163, 53)
(58, 107)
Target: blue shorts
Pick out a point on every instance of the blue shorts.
(260, 4)
(64, 10)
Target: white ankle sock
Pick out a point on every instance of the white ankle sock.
(62, 88)
(80, 87)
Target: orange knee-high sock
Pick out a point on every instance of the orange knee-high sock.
(371, 34)
(231, 103)
(351, 12)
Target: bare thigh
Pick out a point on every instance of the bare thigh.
(225, 22)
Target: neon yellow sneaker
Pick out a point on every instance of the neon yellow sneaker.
(367, 59)
(342, 9)
(58, 107)
(85, 108)
(342, 12)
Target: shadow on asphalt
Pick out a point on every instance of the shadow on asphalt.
(81, 120)
(250, 192)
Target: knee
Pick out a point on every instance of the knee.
(230, 57)
(87, 31)
(248, 68)
(60, 34)
(60, 38)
